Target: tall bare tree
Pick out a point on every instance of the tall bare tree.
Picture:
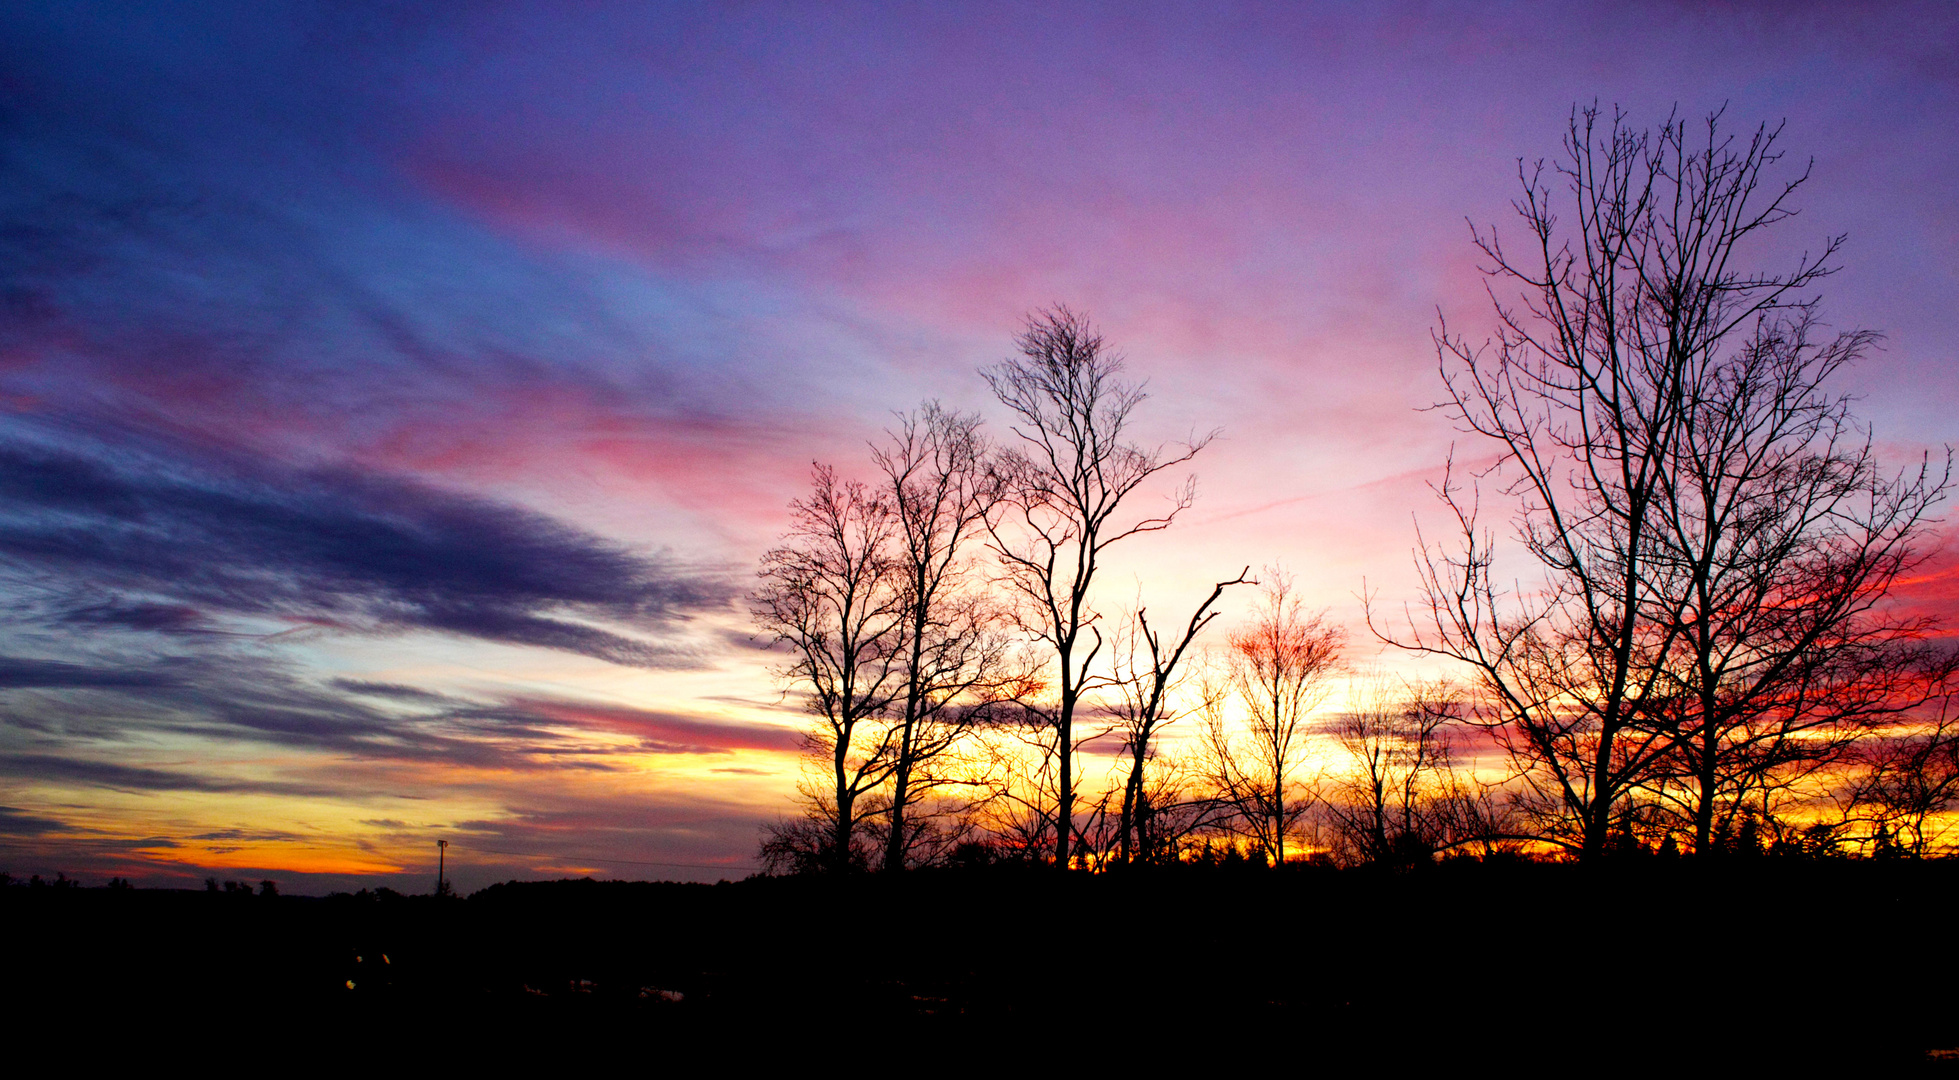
(1148, 670)
(831, 597)
(1063, 503)
(1277, 672)
(1631, 292)
(941, 487)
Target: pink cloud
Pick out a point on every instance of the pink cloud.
(668, 732)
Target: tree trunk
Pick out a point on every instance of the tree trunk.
(1064, 811)
(1132, 790)
(846, 808)
(894, 845)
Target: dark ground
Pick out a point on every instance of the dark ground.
(1632, 967)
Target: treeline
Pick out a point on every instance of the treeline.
(1702, 655)
(1371, 967)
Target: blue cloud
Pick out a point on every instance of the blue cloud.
(175, 538)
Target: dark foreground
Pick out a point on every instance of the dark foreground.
(1750, 965)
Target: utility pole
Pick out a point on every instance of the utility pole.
(441, 851)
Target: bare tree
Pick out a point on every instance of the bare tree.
(1145, 686)
(1632, 293)
(1176, 805)
(938, 480)
(1781, 538)
(1016, 809)
(829, 595)
(1907, 786)
(1478, 816)
(1391, 804)
(1276, 673)
(1064, 488)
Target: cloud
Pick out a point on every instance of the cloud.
(663, 732)
(81, 713)
(226, 696)
(18, 673)
(189, 534)
(387, 690)
(161, 618)
(135, 778)
(15, 822)
(251, 835)
(659, 837)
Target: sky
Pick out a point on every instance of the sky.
(396, 400)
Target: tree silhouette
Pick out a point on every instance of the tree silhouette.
(1063, 489)
(1391, 804)
(1908, 784)
(1779, 539)
(938, 479)
(830, 596)
(1276, 672)
(1148, 670)
(1688, 492)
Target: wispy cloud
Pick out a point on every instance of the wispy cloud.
(133, 778)
(665, 732)
(174, 539)
(15, 822)
(17, 673)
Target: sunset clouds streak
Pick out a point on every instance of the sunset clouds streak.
(358, 552)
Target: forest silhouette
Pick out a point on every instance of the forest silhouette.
(1837, 962)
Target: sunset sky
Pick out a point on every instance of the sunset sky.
(394, 403)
